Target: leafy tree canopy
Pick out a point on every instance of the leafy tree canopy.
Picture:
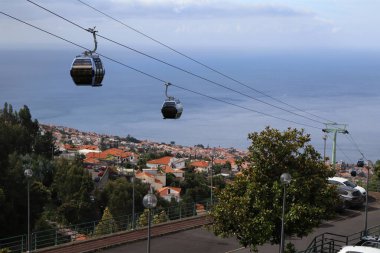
(72, 190)
(118, 196)
(251, 207)
(195, 187)
(22, 146)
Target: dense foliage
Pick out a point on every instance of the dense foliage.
(22, 146)
(250, 208)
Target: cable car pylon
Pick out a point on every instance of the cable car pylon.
(335, 128)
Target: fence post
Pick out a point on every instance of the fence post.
(56, 237)
(180, 212)
(22, 243)
(323, 242)
(35, 240)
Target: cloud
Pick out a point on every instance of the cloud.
(203, 9)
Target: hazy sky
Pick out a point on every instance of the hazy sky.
(333, 72)
(200, 24)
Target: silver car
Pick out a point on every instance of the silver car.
(350, 197)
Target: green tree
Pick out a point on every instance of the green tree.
(72, 190)
(107, 224)
(377, 168)
(20, 138)
(171, 180)
(195, 187)
(250, 208)
(117, 195)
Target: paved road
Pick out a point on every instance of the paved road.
(200, 240)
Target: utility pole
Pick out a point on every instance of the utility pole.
(324, 148)
(212, 168)
(335, 128)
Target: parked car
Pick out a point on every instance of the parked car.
(346, 182)
(101, 173)
(369, 241)
(350, 197)
(358, 249)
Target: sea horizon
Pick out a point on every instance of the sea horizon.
(336, 85)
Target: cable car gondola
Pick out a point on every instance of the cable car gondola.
(360, 163)
(172, 107)
(87, 69)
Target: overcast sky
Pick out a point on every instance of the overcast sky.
(239, 24)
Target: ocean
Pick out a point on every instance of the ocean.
(341, 86)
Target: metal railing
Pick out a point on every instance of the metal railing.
(332, 243)
(83, 231)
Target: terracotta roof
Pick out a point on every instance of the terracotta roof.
(157, 181)
(164, 190)
(91, 160)
(109, 152)
(70, 147)
(96, 155)
(141, 174)
(202, 164)
(89, 147)
(162, 161)
(168, 169)
(116, 152)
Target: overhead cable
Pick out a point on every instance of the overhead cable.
(179, 68)
(351, 139)
(200, 63)
(157, 78)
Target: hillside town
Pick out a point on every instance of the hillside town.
(107, 156)
(101, 151)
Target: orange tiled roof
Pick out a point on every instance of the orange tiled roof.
(201, 164)
(70, 147)
(116, 152)
(224, 161)
(109, 152)
(164, 190)
(96, 155)
(89, 147)
(157, 181)
(162, 161)
(91, 160)
(168, 169)
(141, 174)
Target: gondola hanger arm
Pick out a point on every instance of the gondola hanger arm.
(93, 31)
(167, 84)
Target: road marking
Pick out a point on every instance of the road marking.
(234, 250)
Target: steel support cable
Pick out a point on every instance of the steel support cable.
(351, 139)
(200, 63)
(157, 78)
(180, 69)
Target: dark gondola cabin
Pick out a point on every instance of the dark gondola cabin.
(360, 163)
(87, 70)
(172, 108)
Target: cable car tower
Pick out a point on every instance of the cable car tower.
(335, 128)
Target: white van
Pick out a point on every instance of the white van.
(359, 249)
